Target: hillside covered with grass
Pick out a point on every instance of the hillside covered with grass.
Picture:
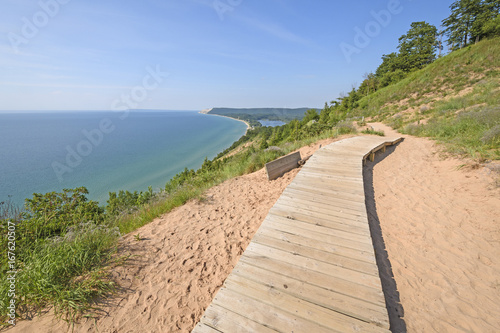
(455, 100)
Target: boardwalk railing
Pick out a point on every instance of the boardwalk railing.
(282, 165)
(311, 265)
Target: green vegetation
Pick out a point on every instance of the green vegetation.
(473, 133)
(65, 244)
(371, 131)
(446, 101)
(61, 242)
(471, 21)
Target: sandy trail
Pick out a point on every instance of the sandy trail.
(441, 227)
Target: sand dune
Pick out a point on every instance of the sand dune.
(441, 227)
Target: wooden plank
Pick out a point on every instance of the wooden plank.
(331, 209)
(338, 191)
(334, 213)
(344, 158)
(352, 151)
(271, 316)
(327, 182)
(332, 192)
(353, 307)
(326, 169)
(279, 167)
(333, 168)
(315, 265)
(315, 219)
(297, 226)
(325, 202)
(323, 197)
(354, 147)
(224, 320)
(330, 159)
(325, 174)
(313, 240)
(307, 311)
(329, 221)
(264, 238)
(339, 285)
(360, 243)
(202, 328)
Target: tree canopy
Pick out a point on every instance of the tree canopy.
(468, 21)
(417, 48)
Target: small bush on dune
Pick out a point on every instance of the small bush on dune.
(345, 127)
(492, 136)
(371, 131)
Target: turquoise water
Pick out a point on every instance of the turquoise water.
(105, 151)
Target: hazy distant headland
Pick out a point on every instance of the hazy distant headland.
(253, 115)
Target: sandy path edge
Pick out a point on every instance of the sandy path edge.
(441, 228)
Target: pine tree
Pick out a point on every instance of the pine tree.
(488, 13)
(417, 48)
(324, 115)
(461, 25)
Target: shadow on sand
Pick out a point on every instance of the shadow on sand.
(392, 300)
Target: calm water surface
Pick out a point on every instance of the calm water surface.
(105, 151)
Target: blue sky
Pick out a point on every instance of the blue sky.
(93, 55)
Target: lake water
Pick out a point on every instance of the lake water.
(105, 151)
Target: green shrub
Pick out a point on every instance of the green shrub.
(396, 122)
(61, 243)
(492, 136)
(126, 201)
(371, 131)
(345, 127)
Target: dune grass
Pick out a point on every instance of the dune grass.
(54, 252)
(453, 100)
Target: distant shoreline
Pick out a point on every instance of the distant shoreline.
(214, 114)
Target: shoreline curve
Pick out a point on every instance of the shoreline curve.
(213, 114)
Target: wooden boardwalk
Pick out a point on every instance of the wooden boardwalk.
(311, 265)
